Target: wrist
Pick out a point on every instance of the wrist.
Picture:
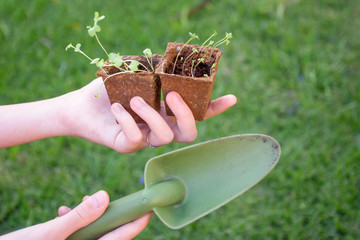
(67, 114)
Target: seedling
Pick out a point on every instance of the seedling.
(200, 60)
(194, 50)
(192, 36)
(198, 54)
(96, 28)
(194, 76)
(113, 59)
(222, 41)
(148, 54)
(210, 43)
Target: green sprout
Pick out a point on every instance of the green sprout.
(96, 28)
(222, 41)
(194, 50)
(148, 54)
(192, 65)
(192, 36)
(113, 59)
(98, 62)
(200, 52)
(210, 43)
(134, 65)
(77, 49)
(212, 67)
(116, 60)
(193, 68)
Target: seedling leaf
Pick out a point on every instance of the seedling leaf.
(134, 66)
(77, 47)
(96, 28)
(69, 46)
(147, 52)
(95, 61)
(97, 18)
(93, 30)
(101, 63)
(193, 35)
(116, 59)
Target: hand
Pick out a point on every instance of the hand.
(94, 119)
(69, 221)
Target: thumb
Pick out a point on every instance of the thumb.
(82, 215)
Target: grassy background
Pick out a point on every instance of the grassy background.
(293, 64)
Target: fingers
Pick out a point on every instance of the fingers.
(160, 133)
(162, 130)
(185, 128)
(129, 230)
(129, 137)
(220, 105)
(63, 210)
(85, 213)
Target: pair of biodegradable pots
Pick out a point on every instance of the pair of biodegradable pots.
(191, 78)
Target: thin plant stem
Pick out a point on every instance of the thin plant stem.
(212, 35)
(212, 67)
(192, 67)
(97, 39)
(150, 62)
(177, 56)
(222, 41)
(199, 61)
(147, 70)
(182, 71)
(85, 55)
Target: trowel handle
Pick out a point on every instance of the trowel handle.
(133, 206)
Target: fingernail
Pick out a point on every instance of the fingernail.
(138, 102)
(117, 107)
(98, 199)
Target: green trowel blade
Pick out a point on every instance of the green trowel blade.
(213, 173)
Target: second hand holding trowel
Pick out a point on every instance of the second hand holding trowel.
(185, 185)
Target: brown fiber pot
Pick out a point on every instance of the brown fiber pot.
(196, 91)
(121, 88)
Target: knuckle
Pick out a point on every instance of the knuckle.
(167, 138)
(191, 137)
(80, 212)
(135, 139)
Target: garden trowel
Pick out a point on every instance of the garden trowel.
(185, 185)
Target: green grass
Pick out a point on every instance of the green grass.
(294, 66)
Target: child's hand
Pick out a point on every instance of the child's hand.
(69, 221)
(80, 114)
(94, 119)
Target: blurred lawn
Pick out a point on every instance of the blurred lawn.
(293, 64)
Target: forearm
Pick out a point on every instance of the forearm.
(27, 122)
